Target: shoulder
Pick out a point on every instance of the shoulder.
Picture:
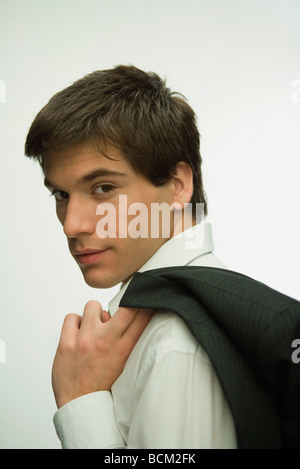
(166, 334)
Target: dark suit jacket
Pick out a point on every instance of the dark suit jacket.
(247, 330)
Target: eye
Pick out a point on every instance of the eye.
(103, 189)
(59, 195)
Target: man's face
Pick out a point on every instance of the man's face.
(81, 178)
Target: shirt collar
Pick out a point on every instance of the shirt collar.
(177, 251)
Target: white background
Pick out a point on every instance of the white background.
(237, 62)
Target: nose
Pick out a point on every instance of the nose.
(79, 218)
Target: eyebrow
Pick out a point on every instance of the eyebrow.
(89, 177)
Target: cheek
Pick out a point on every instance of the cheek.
(61, 214)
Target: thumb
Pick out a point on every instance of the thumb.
(105, 316)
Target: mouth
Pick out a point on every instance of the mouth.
(88, 256)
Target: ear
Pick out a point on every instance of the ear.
(182, 184)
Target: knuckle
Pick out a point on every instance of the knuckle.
(93, 304)
(84, 344)
(70, 317)
(66, 346)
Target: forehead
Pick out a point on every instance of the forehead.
(72, 164)
(81, 156)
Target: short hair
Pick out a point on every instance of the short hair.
(135, 111)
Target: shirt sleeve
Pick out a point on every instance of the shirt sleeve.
(88, 422)
(177, 403)
(181, 405)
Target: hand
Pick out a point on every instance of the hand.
(94, 348)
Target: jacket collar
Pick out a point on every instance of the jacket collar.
(177, 251)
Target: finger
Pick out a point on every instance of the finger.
(135, 328)
(91, 314)
(133, 332)
(121, 320)
(105, 316)
(70, 327)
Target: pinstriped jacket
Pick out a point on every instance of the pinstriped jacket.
(247, 329)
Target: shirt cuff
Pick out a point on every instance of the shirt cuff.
(88, 422)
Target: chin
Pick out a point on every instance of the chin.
(100, 281)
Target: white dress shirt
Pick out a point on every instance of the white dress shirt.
(168, 395)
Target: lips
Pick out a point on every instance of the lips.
(88, 256)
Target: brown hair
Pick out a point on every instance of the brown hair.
(153, 127)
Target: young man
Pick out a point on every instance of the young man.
(118, 143)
